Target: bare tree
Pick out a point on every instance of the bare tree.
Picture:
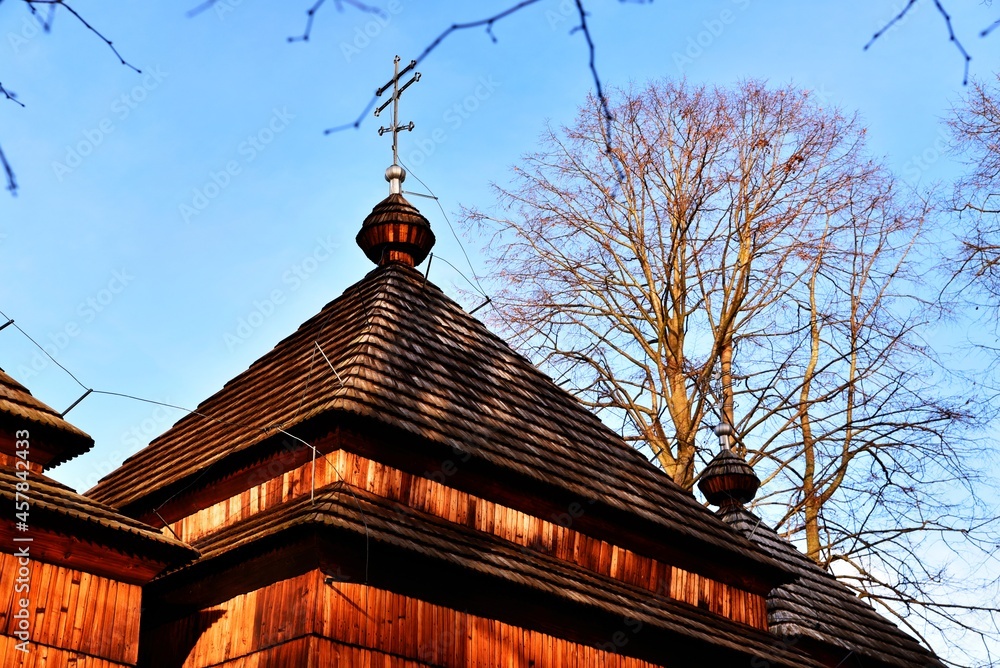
(975, 127)
(739, 253)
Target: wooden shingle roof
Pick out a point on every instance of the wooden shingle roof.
(817, 607)
(57, 508)
(380, 522)
(409, 357)
(19, 409)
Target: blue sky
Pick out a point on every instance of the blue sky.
(172, 226)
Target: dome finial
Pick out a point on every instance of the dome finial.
(395, 232)
(728, 480)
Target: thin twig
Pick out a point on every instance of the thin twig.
(9, 173)
(952, 37)
(89, 27)
(311, 15)
(10, 96)
(488, 23)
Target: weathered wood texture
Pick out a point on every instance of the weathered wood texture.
(395, 232)
(51, 439)
(356, 625)
(73, 611)
(818, 609)
(77, 532)
(406, 357)
(453, 505)
(314, 651)
(73, 553)
(43, 656)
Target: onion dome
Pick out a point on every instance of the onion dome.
(395, 231)
(728, 480)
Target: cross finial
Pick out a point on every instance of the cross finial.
(395, 174)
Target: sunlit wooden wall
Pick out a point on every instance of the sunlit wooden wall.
(457, 506)
(75, 619)
(347, 624)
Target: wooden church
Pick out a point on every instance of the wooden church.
(392, 485)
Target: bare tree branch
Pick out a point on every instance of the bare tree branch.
(46, 24)
(8, 173)
(488, 23)
(946, 17)
(975, 269)
(88, 26)
(753, 262)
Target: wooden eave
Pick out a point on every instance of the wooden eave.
(399, 449)
(818, 612)
(52, 439)
(69, 529)
(359, 537)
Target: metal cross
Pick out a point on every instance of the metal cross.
(397, 90)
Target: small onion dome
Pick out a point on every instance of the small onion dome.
(396, 232)
(728, 480)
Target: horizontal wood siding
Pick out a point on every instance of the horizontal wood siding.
(554, 537)
(348, 624)
(72, 610)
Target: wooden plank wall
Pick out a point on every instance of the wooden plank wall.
(518, 527)
(244, 625)
(357, 625)
(42, 656)
(313, 651)
(73, 610)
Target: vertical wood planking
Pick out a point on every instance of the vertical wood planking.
(73, 611)
(456, 506)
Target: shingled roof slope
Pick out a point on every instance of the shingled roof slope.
(82, 517)
(379, 520)
(818, 607)
(18, 405)
(408, 356)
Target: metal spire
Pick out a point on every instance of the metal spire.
(396, 174)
